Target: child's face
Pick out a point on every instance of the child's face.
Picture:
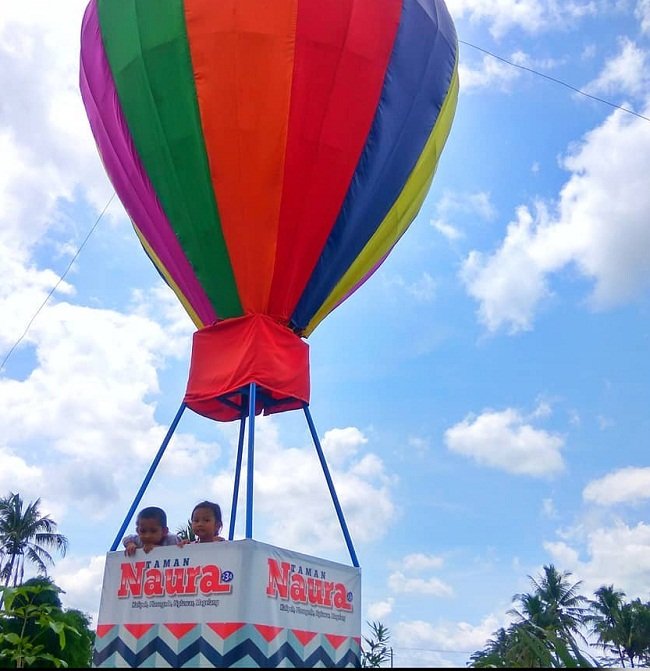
(150, 531)
(204, 524)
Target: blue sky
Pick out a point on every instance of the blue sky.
(483, 401)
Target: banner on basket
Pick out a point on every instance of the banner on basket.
(273, 604)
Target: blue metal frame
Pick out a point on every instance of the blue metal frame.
(250, 469)
(330, 484)
(248, 396)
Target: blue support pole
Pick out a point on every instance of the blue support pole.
(235, 492)
(148, 477)
(251, 445)
(330, 484)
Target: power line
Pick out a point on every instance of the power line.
(557, 81)
(54, 288)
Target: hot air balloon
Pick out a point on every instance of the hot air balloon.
(270, 154)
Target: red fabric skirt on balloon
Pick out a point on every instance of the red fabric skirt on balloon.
(229, 355)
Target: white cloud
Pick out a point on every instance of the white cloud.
(604, 422)
(600, 227)
(501, 15)
(508, 284)
(431, 639)
(642, 13)
(401, 584)
(422, 289)
(531, 16)
(341, 444)
(87, 358)
(17, 475)
(626, 485)
(447, 230)
(418, 562)
(543, 409)
(499, 72)
(490, 73)
(161, 304)
(419, 445)
(84, 414)
(548, 509)
(626, 73)
(477, 203)
(45, 140)
(380, 610)
(503, 440)
(605, 208)
(421, 562)
(618, 555)
(574, 417)
(81, 579)
(293, 506)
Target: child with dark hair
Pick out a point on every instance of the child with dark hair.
(206, 522)
(152, 531)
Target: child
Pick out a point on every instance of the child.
(152, 531)
(206, 523)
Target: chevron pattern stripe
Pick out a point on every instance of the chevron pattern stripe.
(223, 645)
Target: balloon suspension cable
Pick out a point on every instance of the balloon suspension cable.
(148, 477)
(330, 484)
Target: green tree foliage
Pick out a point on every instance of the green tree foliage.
(35, 619)
(640, 630)
(549, 621)
(606, 622)
(186, 533)
(24, 535)
(23, 622)
(78, 651)
(376, 651)
(622, 628)
(553, 615)
(548, 624)
(496, 652)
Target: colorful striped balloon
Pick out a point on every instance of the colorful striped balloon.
(270, 153)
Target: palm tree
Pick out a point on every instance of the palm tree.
(554, 613)
(532, 637)
(635, 631)
(606, 620)
(562, 599)
(522, 646)
(501, 651)
(493, 654)
(377, 651)
(24, 534)
(534, 611)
